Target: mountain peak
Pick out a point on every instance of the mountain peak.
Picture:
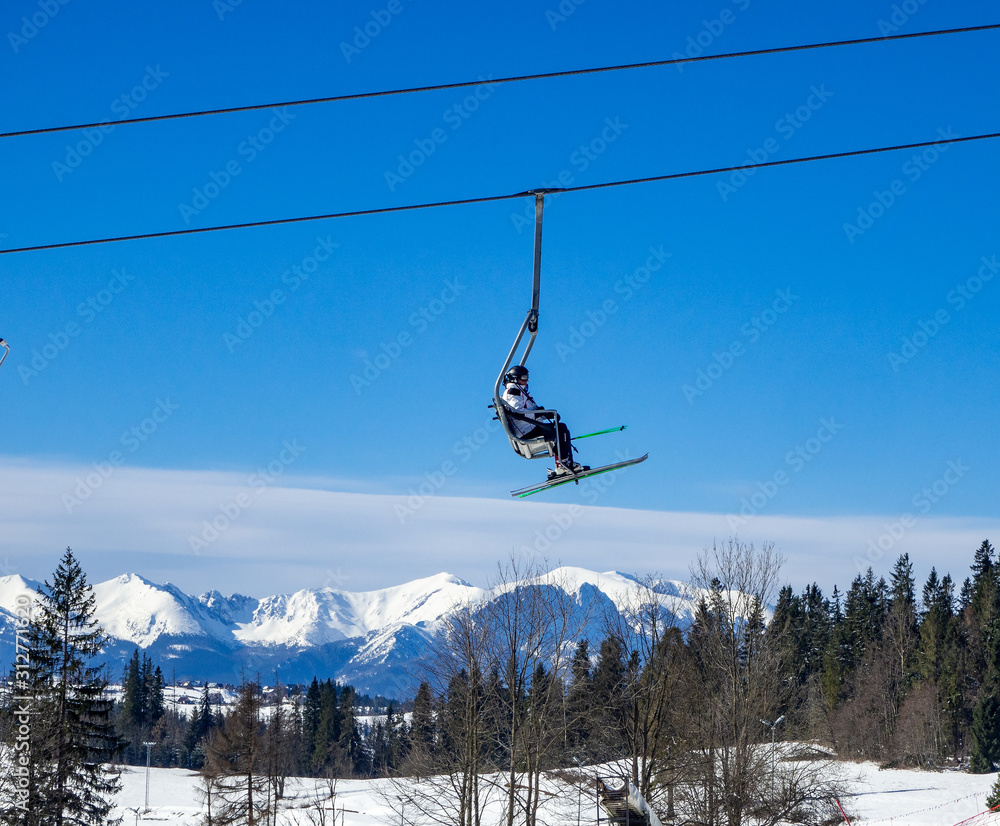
(366, 638)
(13, 586)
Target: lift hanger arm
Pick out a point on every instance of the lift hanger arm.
(531, 322)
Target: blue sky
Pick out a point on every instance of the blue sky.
(797, 354)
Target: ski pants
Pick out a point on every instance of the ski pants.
(548, 432)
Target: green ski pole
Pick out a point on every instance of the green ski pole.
(600, 432)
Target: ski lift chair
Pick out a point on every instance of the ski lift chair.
(535, 448)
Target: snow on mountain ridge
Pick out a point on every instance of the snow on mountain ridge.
(133, 609)
(234, 608)
(369, 639)
(317, 617)
(622, 590)
(13, 586)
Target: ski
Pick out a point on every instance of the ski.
(563, 480)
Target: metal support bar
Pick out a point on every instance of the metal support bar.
(536, 283)
(510, 358)
(529, 325)
(537, 276)
(531, 322)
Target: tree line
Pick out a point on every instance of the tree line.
(891, 673)
(326, 736)
(514, 695)
(513, 690)
(884, 672)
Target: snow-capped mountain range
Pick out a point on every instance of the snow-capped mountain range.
(369, 639)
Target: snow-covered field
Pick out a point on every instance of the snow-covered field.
(174, 798)
(888, 798)
(915, 798)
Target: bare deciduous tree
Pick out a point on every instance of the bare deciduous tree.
(654, 727)
(500, 670)
(739, 670)
(533, 625)
(444, 782)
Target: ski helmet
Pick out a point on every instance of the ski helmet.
(516, 373)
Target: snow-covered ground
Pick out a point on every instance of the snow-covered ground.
(915, 798)
(888, 798)
(174, 798)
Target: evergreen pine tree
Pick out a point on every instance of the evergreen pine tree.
(145, 687)
(864, 614)
(608, 699)
(816, 628)
(130, 712)
(72, 735)
(993, 799)
(351, 744)
(296, 728)
(388, 743)
(201, 724)
(786, 608)
(786, 629)
(311, 711)
(155, 701)
(132, 694)
(934, 627)
(422, 726)
(900, 626)
(609, 673)
(985, 736)
(965, 595)
(937, 662)
(378, 746)
(984, 583)
(24, 785)
(982, 626)
(831, 671)
(401, 742)
(326, 750)
(579, 700)
(836, 612)
(800, 632)
(452, 724)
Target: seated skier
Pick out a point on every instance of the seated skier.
(529, 425)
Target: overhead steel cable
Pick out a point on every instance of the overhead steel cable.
(487, 198)
(478, 82)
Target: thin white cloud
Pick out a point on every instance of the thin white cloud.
(298, 533)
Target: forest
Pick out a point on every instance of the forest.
(889, 670)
